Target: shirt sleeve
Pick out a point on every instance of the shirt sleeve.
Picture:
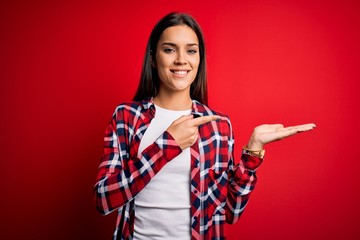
(120, 175)
(242, 180)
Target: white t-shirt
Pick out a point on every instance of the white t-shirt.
(162, 208)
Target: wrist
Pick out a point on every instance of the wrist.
(254, 145)
(260, 153)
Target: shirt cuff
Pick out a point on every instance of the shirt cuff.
(251, 162)
(168, 145)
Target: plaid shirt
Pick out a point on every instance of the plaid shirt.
(219, 189)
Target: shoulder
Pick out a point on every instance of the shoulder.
(128, 106)
(131, 109)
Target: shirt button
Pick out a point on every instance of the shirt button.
(195, 191)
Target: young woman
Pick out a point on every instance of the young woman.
(168, 166)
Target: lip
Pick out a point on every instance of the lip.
(180, 72)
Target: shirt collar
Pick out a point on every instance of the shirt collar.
(197, 107)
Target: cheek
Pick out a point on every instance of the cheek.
(161, 70)
(161, 64)
(196, 62)
(160, 67)
(196, 65)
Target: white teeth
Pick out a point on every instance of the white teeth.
(180, 72)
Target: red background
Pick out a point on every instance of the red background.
(64, 66)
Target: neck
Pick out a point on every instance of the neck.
(173, 101)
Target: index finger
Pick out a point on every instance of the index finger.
(303, 127)
(201, 120)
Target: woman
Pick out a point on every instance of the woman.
(168, 165)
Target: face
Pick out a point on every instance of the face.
(177, 58)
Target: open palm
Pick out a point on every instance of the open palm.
(267, 133)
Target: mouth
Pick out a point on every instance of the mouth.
(180, 72)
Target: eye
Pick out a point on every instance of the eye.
(169, 50)
(192, 51)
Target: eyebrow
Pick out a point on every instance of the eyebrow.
(174, 45)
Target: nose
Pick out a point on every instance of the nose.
(180, 58)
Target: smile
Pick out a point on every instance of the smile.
(180, 72)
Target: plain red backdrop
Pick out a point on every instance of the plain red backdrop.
(65, 65)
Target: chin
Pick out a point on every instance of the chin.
(181, 87)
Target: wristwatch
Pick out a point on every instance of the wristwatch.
(254, 153)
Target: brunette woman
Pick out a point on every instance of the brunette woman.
(168, 167)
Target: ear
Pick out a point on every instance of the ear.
(153, 64)
(152, 60)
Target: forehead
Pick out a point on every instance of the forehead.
(179, 34)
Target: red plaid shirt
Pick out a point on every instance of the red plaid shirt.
(219, 188)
